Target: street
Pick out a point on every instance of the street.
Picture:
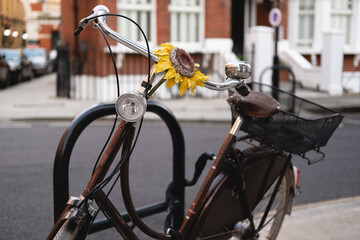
(28, 150)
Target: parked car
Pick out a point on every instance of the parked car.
(20, 66)
(5, 77)
(40, 60)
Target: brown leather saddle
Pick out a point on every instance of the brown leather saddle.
(256, 104)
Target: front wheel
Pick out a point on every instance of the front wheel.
(236, 227)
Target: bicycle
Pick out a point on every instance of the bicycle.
(245, 194)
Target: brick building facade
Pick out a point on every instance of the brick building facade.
(29, 23)
(42, 23)
(210, 31)
(91, 42)
(201, 27)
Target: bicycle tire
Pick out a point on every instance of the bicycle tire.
(281, 205)
(237, 230)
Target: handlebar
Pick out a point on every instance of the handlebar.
(100, 15)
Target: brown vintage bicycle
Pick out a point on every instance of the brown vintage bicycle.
(245, 194)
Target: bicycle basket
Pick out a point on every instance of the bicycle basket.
(299, 127)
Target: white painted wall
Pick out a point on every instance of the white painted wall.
(305, 73)
(262, 39)
(332, 62)
(328, 78)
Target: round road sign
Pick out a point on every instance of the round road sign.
(275, 17)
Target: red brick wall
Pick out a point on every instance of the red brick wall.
(45, 40)
(163, 21)
(262, 16)
(348, 62)
(36, 6)
(284, 6)
(218, 18)
(95, 60)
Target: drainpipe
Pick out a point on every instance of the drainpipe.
(76, 45)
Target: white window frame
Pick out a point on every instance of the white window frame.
(342, 19)
(300, 41)
(137, 10)
(190, 32)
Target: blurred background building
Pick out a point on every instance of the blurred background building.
(318, 39)
(30, 23)
(12, 24)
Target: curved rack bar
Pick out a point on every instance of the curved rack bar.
(70, 136)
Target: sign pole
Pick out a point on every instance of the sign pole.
(275, 19)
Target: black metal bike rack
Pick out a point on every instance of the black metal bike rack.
(69, 138)
(281, 67)
(293, 80)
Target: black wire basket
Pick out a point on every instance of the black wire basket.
(300, 126)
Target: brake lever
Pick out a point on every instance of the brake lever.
(97, 11)
(83, 23)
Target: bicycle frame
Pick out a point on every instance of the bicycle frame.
(271, 167)
(215, 178)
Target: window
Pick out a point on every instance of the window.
(142, 12)
(306, 22)
(186, 23)
(341, 16)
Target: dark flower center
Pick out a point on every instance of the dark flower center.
(182, 62)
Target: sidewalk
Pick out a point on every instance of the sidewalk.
(340, 219)
(331, 220)
(36, 100)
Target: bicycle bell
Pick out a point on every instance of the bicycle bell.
(238, 70)
(131, 106)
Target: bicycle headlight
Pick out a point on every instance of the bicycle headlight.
(131, 106)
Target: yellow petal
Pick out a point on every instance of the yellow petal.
(162, 65)
(200, 84)
(197, 65)
(178, 78)
(170, 82)
(167, 46)
(161, 53)
(183, 87)
(171, 73)
(191, 82)
(197, 74)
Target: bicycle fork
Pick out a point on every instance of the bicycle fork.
(79, 211)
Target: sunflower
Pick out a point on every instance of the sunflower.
(180, 68)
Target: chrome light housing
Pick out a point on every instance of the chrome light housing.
(238, 70)
(131, 106)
